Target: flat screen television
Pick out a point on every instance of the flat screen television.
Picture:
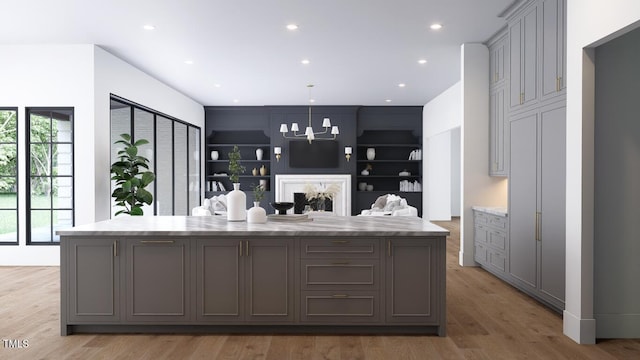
(318, 154)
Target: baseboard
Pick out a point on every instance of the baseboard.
(582, 331)
(617, 326)
(465, 260)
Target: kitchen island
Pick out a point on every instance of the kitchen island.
(334, 274)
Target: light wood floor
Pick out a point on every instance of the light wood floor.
(487, 319)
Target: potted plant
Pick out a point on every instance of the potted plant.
(257, 214)
(131, 175)
(236, 199)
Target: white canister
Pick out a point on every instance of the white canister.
(259, 154)
(371, 153)
(214, 155)
(256, 215)
(236, 204)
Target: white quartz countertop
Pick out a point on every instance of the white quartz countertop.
(500, 211)
(218, 226)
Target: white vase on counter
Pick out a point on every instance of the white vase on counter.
(214, 155)
(256, 215)
(259, 153)
(371, 153)
(236, 204)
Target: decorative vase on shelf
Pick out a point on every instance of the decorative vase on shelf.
(256, 215)
(371, 153)
(236, 204)
(214, 155)
(254, 172)
(263, 171)
(259, 153)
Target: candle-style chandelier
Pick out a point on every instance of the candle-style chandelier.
(309, 134)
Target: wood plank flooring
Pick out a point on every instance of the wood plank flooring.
(486, 319)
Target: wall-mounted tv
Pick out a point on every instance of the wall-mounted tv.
(318, 154)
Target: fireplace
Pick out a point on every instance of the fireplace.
(288, 185)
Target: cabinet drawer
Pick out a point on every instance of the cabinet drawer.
(481, 254)
(498, 222)
(496, 260)
(481, 234)
(339, 248)
(340, 307)
(480, 218)
(498, 239)
(340, 274)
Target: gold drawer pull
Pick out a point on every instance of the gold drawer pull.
(339, 241)
(340, 296)
(157, 241)
(339, 263)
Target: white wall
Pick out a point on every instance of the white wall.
(82, 77)
(455, 172)
(49, 75)
(440, 116)
(438, 176)
(478, 188)
(589, 23)
(114, 76)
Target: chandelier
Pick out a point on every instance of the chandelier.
(309, 134)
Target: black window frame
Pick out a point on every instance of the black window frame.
(29, 209)
(17, 177)
(174, 120)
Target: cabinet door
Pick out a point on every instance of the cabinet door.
(522, 199)
(552, 208)
(219, 276)
(498, 140)
(523, 46)
(497, 54)
(411, 279)
(157, 280)
(93, 280)
(269, 280)
(552, 48)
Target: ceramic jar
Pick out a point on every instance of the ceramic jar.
(256, 215)
(214, 155)
(236, 204)
(371, 153)
(259, 153)
(263, 171)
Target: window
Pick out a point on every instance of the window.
(50, 169)
(9, 176)
(173, 152)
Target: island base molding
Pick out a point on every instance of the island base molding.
(257, 329)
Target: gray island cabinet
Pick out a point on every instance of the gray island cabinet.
(204, 274)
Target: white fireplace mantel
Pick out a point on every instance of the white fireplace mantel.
(287, 185)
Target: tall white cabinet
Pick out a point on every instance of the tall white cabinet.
(527, 144)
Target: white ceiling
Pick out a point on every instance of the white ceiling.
(360, 50)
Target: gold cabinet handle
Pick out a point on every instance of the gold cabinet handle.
(157, 241)
(521, 98)
(539, 226)
(388, 247)
(339, 241)
(342, 296)
(246, 248)
(240, 246)
(115, 248)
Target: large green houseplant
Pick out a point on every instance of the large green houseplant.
(131, 175)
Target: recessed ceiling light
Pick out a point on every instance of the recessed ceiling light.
(217, 85)
(292, 27)
(422, 61)
(312, 100)
(236, 100)
(305, 61)
(188, 62)
(436, 26)
(402, 85)
(148, 27)
(388, 100)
